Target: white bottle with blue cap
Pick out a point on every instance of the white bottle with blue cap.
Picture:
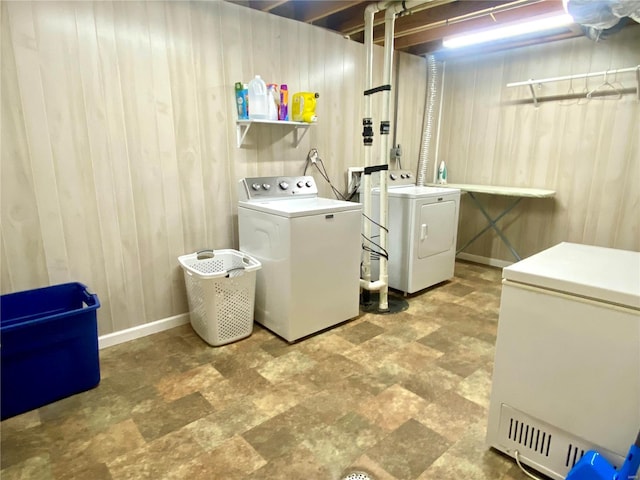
(442, 173)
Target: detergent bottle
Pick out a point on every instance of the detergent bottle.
(273, 101)
(283, 113)
(442, 173)
(258, 99)
(242, 94)
(303, 107)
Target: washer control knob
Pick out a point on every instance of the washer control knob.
(309, 183)
(393, 176)
(408, 175)
(266, 186)
(255, 186)
(402, 175)
(300, 184)
(283, 185)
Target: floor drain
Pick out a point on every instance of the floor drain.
(358, 476)
(369, 303)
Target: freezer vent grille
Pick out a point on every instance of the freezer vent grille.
(529, 436)
(574, 454)
(541, 445)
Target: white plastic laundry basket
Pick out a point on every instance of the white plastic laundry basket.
(221, 288)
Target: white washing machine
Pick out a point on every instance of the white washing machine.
(423, 228)
(309, 248)
(566, 376)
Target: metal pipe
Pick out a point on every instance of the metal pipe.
(573, 77)
(453, 20)
(441, 85)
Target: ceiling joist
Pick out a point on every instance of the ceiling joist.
(420, 30)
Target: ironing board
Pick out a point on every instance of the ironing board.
(517, 193)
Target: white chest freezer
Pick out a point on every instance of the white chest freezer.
(566, 375)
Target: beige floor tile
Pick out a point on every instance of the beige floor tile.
(476, 387)
(287, 365)
(392, 407)
(450, 415)
(34, 467)
(173, 387)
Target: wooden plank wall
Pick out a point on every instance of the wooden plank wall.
(586, 150)
(119, 141)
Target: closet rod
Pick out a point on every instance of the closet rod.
(572, 77)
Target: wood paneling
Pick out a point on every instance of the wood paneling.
(118, 137)
(586, 150)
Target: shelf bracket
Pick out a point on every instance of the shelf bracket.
(297, 138)
(241, 132)
(533, 93)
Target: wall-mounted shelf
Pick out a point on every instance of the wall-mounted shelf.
(243, 127)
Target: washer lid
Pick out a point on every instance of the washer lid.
(604, 274)
(301, 207)
(414, 191)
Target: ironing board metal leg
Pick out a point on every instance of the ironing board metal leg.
(493, 224)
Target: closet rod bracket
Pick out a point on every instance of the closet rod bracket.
(533, 93)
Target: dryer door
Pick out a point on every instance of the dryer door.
(436, 228)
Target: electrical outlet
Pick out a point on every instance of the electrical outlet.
(396, 152)
(354, 175)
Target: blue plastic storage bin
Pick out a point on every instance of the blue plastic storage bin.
(48, 346)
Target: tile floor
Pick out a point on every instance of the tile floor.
(402, 396)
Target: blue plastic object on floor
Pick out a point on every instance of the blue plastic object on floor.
(49, 346)
(593, 466)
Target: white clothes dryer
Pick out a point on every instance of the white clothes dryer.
(309, 248)
(423, 229)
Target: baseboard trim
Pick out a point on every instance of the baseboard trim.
(140, 331)
(122, 336)
(492, 262)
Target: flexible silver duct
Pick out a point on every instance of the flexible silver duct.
(427, 131)
(601, 18)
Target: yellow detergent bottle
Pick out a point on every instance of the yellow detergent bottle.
(303, 108)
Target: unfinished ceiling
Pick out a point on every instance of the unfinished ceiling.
(419, 31)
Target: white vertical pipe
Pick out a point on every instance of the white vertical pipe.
(369, 14)
(392, 8)
(389, 23)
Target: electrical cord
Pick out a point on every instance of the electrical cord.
(312, 156)
(353, 192)
(375, 255)
(314, 159)
(325, 175)
(367, 248)
(375, 223)
(516, 454)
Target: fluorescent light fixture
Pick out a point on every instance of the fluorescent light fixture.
(512, 30)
